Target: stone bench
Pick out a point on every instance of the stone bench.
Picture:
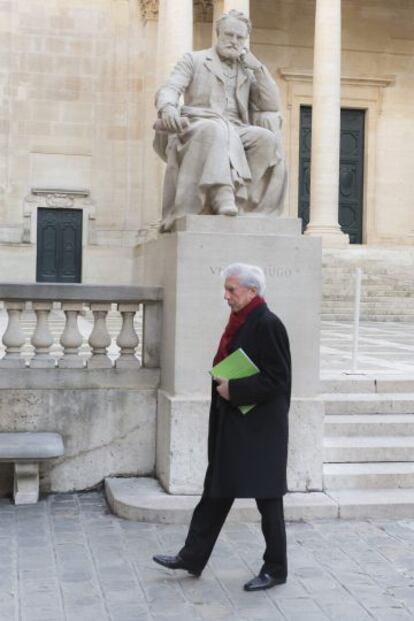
(26, 450)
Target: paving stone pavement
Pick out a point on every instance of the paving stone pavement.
(68, 558)
(383, 347)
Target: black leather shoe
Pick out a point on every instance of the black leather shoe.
(263, 581)
(174, 562)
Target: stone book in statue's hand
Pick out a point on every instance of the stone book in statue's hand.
(159, 126)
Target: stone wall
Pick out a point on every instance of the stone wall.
(106, 419)
(72, 113)
(377, 42)
(77, 80)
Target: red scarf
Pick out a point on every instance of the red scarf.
(236, 320)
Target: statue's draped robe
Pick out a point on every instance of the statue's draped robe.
(214, 150)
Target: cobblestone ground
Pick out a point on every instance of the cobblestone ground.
(68, 558)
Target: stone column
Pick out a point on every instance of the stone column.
(238, 5)
(326, 125)
(175, 33)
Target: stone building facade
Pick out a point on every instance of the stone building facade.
(77, 79)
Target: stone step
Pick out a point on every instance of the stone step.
(401, 305)
(368, 475)
(363, 403)
(335, 279)
(369, 425)
(395, 504)
(369, 302)
(142, 499)
(342, 306)
(349, 384)
(362, 449)
(346, 289)
(380, 318)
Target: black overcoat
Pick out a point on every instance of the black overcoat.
(247, 453)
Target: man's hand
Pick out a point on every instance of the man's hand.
(223, 388)
(249, 60)
(171, 119)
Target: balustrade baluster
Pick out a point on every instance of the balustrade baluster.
(71, 338)
(42, 338)
(13, 338)
(152, 328)
(127, 339)
(99, 339)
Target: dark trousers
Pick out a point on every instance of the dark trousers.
(206, 524)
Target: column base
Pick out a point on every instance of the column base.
(332, 236)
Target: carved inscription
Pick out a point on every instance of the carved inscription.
(271, 271)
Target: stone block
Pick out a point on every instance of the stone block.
(187, 263)
(106, 417)
(54, 170)
(26, 483)
(305, 458)
(182, 428)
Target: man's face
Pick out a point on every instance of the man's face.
(231, 38)
(236, 295)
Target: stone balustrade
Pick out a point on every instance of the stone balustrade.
(77, 349)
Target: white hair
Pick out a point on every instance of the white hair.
(250, 276)
(234, 14)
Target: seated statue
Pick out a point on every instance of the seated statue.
(223, 145)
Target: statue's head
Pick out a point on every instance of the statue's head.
(233, 29)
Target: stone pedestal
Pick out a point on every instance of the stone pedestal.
(187, 264)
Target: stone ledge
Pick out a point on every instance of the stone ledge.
(142, 499)
(244, 224)
(79, 379)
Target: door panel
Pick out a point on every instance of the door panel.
(59, 245)
(351, 170)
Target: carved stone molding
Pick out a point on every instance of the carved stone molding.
(203, 10)
(304, 75)
(56, 199)
(149, 9)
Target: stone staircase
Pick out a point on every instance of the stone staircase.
(369, 447)
(368, 462)
(387, 292)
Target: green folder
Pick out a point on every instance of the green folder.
(236, 366)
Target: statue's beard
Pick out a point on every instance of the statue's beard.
(228, 52)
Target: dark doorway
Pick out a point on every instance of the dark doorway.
(351, 170)
(59, 245)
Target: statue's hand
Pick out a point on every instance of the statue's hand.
(249, 60)
(171, 119)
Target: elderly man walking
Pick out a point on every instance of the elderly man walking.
(247, 453)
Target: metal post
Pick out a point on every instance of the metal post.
(357, 312)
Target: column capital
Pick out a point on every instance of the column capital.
(149, 9)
